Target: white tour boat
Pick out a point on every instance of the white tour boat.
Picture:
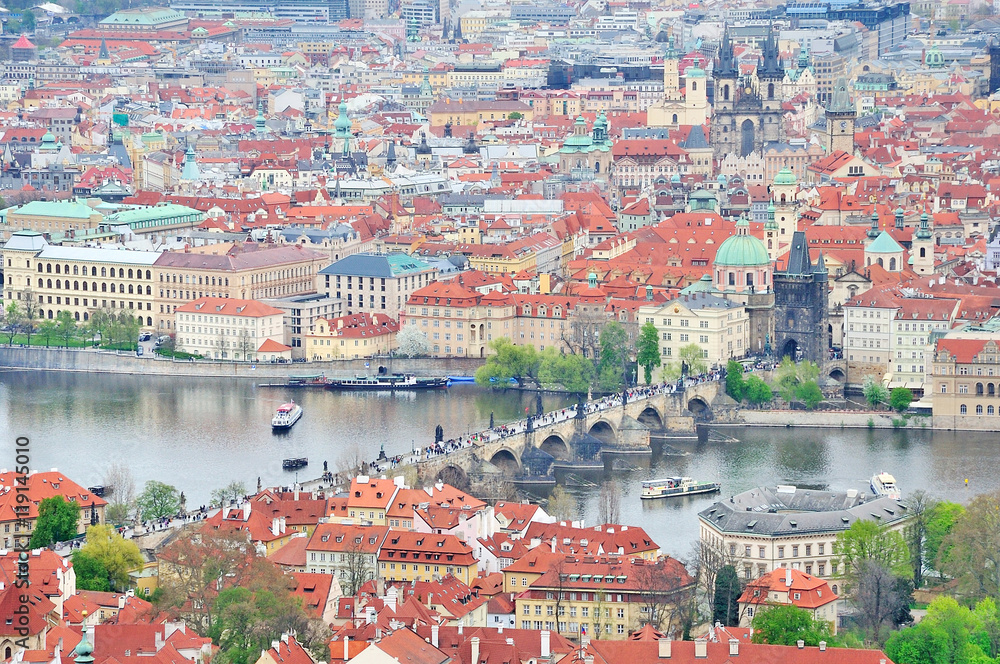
(286, 415)
(884, 486)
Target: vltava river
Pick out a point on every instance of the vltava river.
(199, 434)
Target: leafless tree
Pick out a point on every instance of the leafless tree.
(359, 565)
(29, 304)
(245, 344)
(350, 460)
(609, 502)
(667, 592)
(583, 335)
(880, 598)
(493, 487)
(120, 484)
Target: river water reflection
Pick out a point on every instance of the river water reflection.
(199, 434)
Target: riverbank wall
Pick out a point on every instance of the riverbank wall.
(826, 419)
(95, 361)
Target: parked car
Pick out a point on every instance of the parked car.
(145, 336)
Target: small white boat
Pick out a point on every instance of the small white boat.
(286, 415)
(676, 486)
(884, 486)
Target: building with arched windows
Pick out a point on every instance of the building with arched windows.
(965, 382)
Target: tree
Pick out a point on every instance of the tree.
(359, 567)
(900, 399)
(756, 391)
(921, 506)
(411, 342)
(46, 329)
(58, 520)
(13, 317)
(940, 523)
(791, 376)
(647, 348)
(881, 599)
(572, 372)
(809, 394)
(114, 553)
(30, 312)
(735, 385)
(692, 356)
(158, 500)
(875, 393)
(787, 624)
(609, 502)
(666, 588)
(973, 548)
(65, 326)
(922, 644)
(949, 634)
(514, 116)
(232, 492)
(726, 601)
(90, 572)
(867, 541)
(507, 361)
(119, 484)
(244, 344)
(28, 21)
(561, 504)
(613, 365)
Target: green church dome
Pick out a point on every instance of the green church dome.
(785, 176)
(742, 249)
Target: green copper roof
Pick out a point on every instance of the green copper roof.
(703, 285)
(884, 244)
(742, 249)
(785, 176)
(64, 209)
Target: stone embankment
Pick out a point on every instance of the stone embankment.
(94, 361)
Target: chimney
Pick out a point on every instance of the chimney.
(800, 644)
(553, 544)
(734, 647)
(475, 649)
(700, 648)
(435, 631)
(788, 577)
(460, 627)
(663, 648)
(822, 646)
(347, 650)
(275, 527)
(546, 649)
(121, 601)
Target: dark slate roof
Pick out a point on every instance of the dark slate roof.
(695, 139)
(782, 511)
(798, 256)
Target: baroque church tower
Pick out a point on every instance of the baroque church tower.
(747, 111)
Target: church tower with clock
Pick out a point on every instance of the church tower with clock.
(840, 117)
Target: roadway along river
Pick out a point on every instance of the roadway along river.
(199, 434)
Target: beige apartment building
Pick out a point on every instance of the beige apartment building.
(459, 321)
(965, 380)
(245, 274)
(720, 326)
(231, 329)
(375, 283)
(78, 279)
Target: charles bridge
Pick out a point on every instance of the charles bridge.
(565, 435)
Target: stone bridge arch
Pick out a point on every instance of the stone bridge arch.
(651, 417)
(699, 408)
(506, 460)
(605, 432)
(556, 446)
(837, 374)
(454, 475)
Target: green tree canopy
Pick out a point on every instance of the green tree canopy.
(65, 326)
(867, 540)
(900, 399)
(90, 573)
(735, 385)
(809, 394)
(693, 357)
(117, 555)
(940, 522)
(756, 391)
(787, 624)
(727, 597)
(875, 393)
(233, 491)
(614, 356)
(58, 520)
(158, 500)
(507, 361)
(572, 372)
(973, 548)
(647, 348)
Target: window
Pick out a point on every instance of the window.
(781, 552)
(963, 409)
